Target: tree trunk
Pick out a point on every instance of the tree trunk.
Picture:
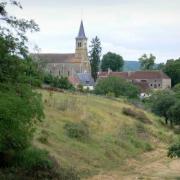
(166, 120)
(171, 122)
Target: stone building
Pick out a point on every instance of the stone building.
(71, 63)
(144, 79)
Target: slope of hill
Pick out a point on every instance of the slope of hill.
(131, 66)
(114, 137)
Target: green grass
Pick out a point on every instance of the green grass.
(114, 137)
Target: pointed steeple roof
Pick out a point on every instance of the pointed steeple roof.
(81, 33)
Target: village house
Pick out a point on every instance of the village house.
(144, 79)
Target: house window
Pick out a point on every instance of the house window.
(154, 80)
(159, 85)
(155, 86)
(151, 84)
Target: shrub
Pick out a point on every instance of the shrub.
(117, 86)
(33, 158)
(58, 82)
(139, 115)
(78, 131)
(80, 88)
(50, 174)
(37, 164)
(174, 150)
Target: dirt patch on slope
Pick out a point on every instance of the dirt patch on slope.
(153, 165)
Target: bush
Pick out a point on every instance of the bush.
(58, 82)
(139, 115)
(78, 131)
(37, 164)
(33, 159)
(117, 86)
(174, 150)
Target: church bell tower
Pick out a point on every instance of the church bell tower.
(81, 52)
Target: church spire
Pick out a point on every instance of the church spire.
(81, 33)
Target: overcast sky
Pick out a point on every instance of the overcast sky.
(127, 27)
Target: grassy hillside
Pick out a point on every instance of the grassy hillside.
(113, 137)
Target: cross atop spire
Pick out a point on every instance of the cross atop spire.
(81, 33)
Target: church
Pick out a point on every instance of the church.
(69, 64)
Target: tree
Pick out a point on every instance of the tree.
(160, 66)
(147, 63)
(116, 86)
(176, 89)
(162, 102)
(174, 113)
(172, 69)
(112, 61)
(95, 54)
(20, 106)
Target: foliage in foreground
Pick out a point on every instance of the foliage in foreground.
(119, 87)
(20, 106)
(33, 163)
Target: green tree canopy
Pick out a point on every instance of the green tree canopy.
(162, 102)
(172, 69)
(174, 113)
(117, 86)
(147, 63)
(95, 54)
(112, 61)
(176, 89)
